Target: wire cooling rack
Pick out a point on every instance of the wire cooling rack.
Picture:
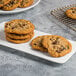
(59, 13)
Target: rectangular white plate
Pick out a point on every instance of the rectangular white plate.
(25, 47)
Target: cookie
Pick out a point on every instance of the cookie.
(4, 2)
(37, 44)
(19, 26)
(71, 13)
(17, 41)
(26, 3)
(12, 5)
(19, 36)
(57, 46)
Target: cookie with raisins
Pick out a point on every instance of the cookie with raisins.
(13, 4)
(37, 44)
(4, 2)
(71, 13)
(26, 3)
(19, 26)
(19, 41)
(19, 36)
(57, 46)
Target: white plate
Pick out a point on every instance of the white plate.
(20, 9)
(25, 47)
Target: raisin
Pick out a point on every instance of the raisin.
(67, 46)
(58, 51)
(35, 44)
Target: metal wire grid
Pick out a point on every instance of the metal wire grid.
(59, 13)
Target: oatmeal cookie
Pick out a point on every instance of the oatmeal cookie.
(17, 41)
(71, 13)
(4, 2)
(25, 3)
(19, 26)
(19, 36)
(57, 46)
(11, 5)
(37, 44)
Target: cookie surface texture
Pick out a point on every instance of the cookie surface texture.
(26, 3)
(4, 2)
(19, 26)
(71, 13)
(12, 5)
(37, 44)
(57, 46)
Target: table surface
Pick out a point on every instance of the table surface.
(15, 63)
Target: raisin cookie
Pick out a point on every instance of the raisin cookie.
(57, 46)
(37, 44)
(18, 41)
(12, 5)
(71, 13)
(25, 3)
(4, 2)
(19, 26)
(19, 36)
